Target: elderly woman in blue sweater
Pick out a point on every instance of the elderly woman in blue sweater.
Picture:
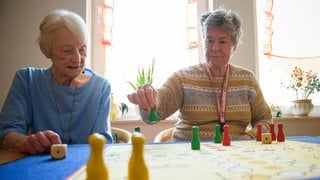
(64, 103)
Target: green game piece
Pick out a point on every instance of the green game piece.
(195, 142)
(217, 137)
(137, 129)
(153, 118)
(115, 137)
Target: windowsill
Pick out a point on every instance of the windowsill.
(286, 113)
(299, 126)
(288, 117)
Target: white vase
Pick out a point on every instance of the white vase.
(301, 107)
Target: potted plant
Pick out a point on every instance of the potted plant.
(144, 76)
(303, 83)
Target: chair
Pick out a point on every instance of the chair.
(164, 136)
(120, 135)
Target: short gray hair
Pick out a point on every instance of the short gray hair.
(57, 19)
(228, 21)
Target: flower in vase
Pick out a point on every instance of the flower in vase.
(303, 83)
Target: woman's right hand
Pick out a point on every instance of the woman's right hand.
(146, 97)
(39, 142)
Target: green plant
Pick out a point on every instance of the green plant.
(144, 76)
(303, 83)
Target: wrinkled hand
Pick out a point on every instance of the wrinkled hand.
(146, 97)
(40, 142)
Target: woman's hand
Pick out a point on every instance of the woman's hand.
(39, 142)
(146, 97)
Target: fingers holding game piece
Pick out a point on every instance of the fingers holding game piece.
(146, 97)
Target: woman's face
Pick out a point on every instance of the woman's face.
(218, 47)
(68, 53)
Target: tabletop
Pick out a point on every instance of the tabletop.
(19, 166)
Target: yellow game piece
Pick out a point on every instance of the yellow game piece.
(266, 138)
(137, 169)
(96, 169)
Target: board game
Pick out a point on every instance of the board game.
(240, 160)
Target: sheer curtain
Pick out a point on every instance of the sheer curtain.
(288, 32)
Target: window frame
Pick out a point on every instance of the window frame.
(265, 65)
(96, 51)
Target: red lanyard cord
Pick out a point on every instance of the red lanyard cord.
(222, 103)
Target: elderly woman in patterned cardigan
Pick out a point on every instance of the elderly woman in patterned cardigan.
(212, 92)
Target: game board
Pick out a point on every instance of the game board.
(241, 160)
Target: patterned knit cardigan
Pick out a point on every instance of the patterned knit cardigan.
(191, 92)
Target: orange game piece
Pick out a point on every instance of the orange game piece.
(273, 134)
(259, 132)
(280, 135)
(226, 136)
(96, 169)
(137, 169)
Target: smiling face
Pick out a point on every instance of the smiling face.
(68, 54)
(219, 47)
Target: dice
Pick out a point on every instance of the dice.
(266, 138)
(58, 151)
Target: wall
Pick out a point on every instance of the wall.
(20, 21)
(246, 54)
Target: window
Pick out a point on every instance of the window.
(137, 31)
(288, 32)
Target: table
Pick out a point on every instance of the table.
(43, 167)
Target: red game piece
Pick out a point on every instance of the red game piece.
(259, 132)
(226, 136)
(273, 134)
(280, 136)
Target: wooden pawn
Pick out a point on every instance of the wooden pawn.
(259, 132)
(280, 135)
(96, 169)
(137, 169)
(226, 136)
(273, 133)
